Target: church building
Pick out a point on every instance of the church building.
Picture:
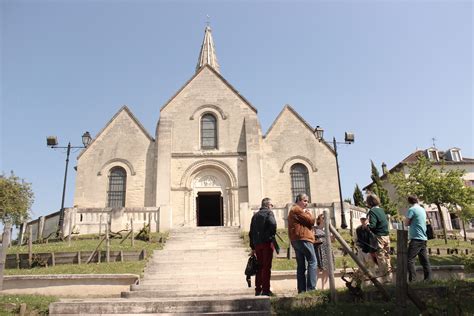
(208, 162)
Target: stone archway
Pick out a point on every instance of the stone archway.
(212, 184)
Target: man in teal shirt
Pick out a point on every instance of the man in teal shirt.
(416, 220)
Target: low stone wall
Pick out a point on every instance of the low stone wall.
(284, 282)
(70, 285)
(21, 260)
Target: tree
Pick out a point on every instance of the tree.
(358, 197)
(443, 188)
(377, 188)
(16, 198)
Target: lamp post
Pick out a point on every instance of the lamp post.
(52, 142)
(348, 139)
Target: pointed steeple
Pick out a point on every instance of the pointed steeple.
(208, 56)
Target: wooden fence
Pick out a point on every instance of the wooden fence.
(24, 261)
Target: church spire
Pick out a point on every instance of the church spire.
(208, 56)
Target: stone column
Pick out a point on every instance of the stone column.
(235, 207)
(187, 207)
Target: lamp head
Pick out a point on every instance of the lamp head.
(319, 132)
(349, 137)
(51, 141)
(86, 139)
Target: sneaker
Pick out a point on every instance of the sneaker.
(269, 293)
(258, 293)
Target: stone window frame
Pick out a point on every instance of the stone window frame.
(307, 184)
(122, 192)
(216, 131)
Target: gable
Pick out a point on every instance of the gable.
(206, 71)
(121, 120)
(288, 123)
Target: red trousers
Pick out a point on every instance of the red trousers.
(264, 253)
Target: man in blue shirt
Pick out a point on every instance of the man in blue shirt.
(416, 220)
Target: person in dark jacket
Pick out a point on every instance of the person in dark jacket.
(366, 250)
(262, 233)
(378, 224)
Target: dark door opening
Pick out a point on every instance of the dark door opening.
(209, 209)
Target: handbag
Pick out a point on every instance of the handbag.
(429, 231)
(251, 269)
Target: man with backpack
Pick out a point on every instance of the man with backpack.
(262, 234)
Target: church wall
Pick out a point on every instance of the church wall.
(122, 143)
(206, 93)
(290, 142)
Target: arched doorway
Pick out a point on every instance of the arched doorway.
(209, 209)
(209, 192)
(211, 196)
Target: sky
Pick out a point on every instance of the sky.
(395, 73)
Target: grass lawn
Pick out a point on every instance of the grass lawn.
(35, 304)
(446, 297)
(90, 244)
(134, 267)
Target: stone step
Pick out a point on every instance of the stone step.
(194, 265)
(188, 274)
(207, 243)
(199, 256)
(200, 229)
(205, 260)
(181, 270)
(189, 294)
(191, 286)
(223, 304)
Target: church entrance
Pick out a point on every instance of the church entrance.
(209, 210)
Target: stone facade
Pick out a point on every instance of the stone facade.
(191, 185)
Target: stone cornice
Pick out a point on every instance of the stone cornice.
(207, 154)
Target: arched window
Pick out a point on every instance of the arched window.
(299, 180)
(208, 132)
(117, 187)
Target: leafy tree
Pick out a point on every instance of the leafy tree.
(16, 198)
(348, 200)
(443, 188)
(358, 197)
(377, 188)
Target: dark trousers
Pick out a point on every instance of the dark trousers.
(417, 247)
(264, 254)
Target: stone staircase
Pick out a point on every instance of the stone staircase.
(200, 271)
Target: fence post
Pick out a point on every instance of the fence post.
(157, 220)
(107, 243)
(30, 246)
(70, 229)
(332, 284)
(401, 281)
(78, 257)
(149, 227)
(53, 259)
(5, 243)
(100, 224)
(132, 234)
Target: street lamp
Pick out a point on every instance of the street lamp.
(52, 142)
(348, 139)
